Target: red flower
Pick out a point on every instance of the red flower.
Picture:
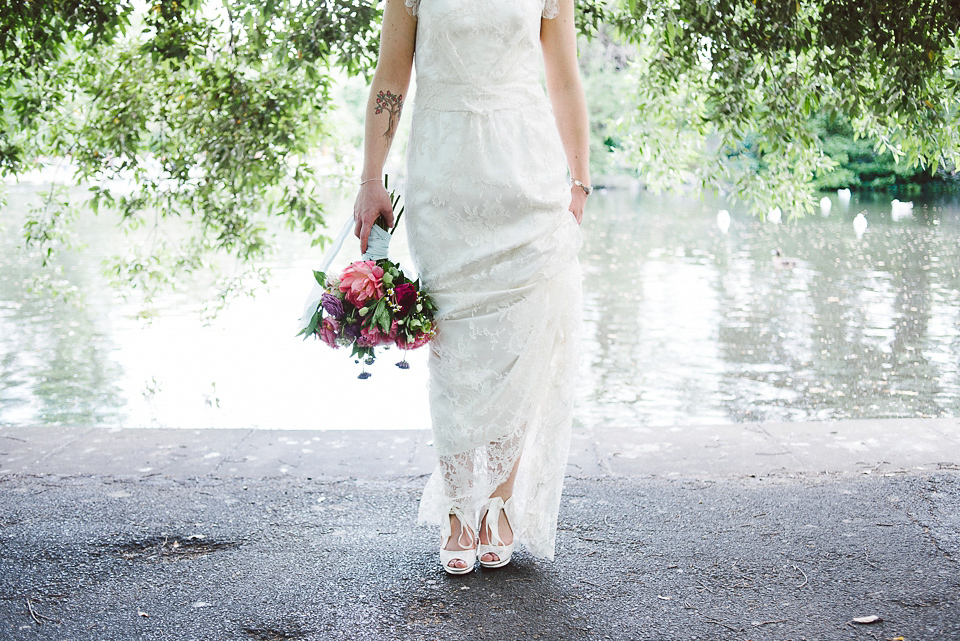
(405, 296)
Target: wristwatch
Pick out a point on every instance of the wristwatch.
(585, 188)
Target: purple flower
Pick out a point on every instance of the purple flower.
(352, 331)
(332, 305)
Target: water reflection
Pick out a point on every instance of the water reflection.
(688, 325)
(684, 325)
(55, 362)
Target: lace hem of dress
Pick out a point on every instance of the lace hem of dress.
(540, 427)
(413, 6)
(551, 8)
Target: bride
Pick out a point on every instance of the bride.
(493, 229)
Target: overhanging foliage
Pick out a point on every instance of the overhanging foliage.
(205, 112)
(728, 89)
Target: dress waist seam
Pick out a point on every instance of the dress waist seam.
(471, 99)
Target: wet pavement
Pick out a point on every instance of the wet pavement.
(705, 533)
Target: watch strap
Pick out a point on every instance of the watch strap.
(586, 189)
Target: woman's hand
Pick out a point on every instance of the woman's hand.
(372, 202)
(578, 200)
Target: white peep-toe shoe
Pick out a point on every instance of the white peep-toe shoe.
(496, 546)
(469, 556)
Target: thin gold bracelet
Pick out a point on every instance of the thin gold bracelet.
(362, 182)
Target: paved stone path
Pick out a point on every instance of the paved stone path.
(761, 532)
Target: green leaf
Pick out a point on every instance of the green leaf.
(314, 324)
(381, 316)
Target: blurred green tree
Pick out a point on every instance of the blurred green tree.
(197, 113)
(728, 90)
(860, 166)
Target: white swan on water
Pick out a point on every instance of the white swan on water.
(826, 205)
(860, 224)
(775, 216)
(900, 210)
(723, 221)
(843, 195)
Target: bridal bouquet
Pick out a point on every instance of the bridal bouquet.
(371, 304)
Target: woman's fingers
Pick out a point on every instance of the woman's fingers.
(364, 235)
(372, 203)
(578, 201)
(577, 210)
(388, 216)
(358, 220)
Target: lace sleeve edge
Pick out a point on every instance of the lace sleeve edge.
(551, 9)
(413, 7)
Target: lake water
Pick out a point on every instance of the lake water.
(684, 325)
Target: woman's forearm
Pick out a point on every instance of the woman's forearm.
(558, 37)
(388, 90)
(387, 93)
(382, 117)
(570, 111)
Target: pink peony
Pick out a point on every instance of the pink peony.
(361, 282)
(328, 332)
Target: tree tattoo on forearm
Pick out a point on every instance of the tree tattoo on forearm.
(392, 104)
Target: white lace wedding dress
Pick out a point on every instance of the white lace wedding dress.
(489, 231)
